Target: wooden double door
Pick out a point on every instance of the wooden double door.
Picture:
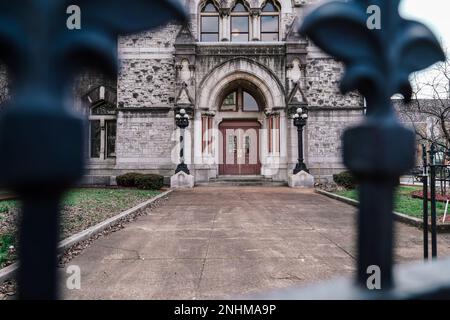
(239, 147)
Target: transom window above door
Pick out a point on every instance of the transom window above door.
(240, 100)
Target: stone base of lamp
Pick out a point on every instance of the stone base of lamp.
(182, 167)
(182, 180)
(301, 180)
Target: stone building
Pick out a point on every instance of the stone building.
(240, 70)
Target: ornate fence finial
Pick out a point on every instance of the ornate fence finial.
(378, 63)
(41, 141)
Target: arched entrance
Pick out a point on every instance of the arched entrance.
(241, 104)
(241, 128)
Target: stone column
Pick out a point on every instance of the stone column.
(283, 137)
(255, 24)
(224, 34)
(197, 137)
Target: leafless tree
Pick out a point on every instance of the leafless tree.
(429, 110)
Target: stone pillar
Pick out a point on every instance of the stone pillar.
(224, 34)
(283, 137)
(255, 24)
(197, 138)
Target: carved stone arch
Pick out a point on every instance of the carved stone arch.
(285, 6)
(240, 68)
(201, 4)
(247, 3)
(101, 92)
(278, 4)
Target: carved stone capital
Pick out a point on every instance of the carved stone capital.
(254, 12)
(224, 12)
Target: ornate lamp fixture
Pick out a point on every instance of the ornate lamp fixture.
(182, 122)
(300, 119)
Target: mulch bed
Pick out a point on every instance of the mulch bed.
(439, 197)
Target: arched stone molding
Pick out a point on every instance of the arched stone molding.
(240, 69)
(286, 5)
(105, 93)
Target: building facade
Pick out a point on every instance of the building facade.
(240, 70)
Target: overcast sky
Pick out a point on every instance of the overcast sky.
(435, 14)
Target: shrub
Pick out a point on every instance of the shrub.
(128, 179)
(149, 182)
(345, 179)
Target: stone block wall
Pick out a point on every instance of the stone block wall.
(323, 139)
(145, 141)
(147, 72)
(322, 85)
(146, 83)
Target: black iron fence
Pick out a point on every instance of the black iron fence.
(435, 179)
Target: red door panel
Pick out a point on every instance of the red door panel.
(240, 148)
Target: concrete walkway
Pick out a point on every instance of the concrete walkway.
(228, 242)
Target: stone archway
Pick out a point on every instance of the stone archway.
(266, 88)
(240, 69)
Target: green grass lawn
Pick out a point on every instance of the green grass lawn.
(404, 203)
(81, 209)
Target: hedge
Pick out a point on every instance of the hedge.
(127, 180)
(149, 182)
(345, 179)
(141, 181)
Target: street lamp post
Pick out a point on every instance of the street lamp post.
(300, 118)
(182, 122)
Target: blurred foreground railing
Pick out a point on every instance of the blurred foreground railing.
(379, 52)
(41, 141)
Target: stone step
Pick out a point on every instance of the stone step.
(241, 182)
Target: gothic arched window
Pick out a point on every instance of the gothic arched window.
(270, 22)
(240, 23)
(209, 24)
(102, 124)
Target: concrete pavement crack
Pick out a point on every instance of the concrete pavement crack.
(330, 240)
(207, 249)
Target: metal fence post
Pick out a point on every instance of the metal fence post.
(425, 202)
(433, 201)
